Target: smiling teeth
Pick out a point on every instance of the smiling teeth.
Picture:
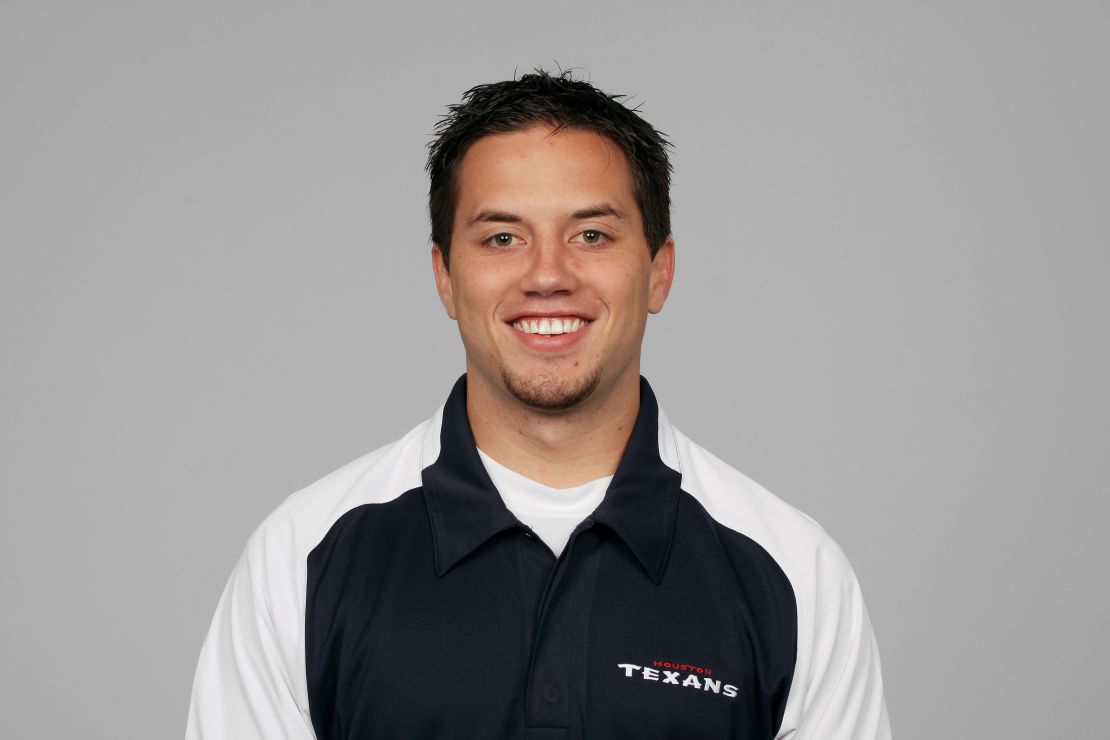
(548, 327)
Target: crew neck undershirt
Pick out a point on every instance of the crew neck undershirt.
(552, 513)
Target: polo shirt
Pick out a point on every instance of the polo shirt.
(398, 597)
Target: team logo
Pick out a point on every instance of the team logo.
(679, 674)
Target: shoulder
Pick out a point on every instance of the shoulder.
(801, 547)
(303, 518)
(836, 687)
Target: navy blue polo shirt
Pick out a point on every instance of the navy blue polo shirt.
(398, 597)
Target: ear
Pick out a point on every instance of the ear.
(443, 281)
(662, 273)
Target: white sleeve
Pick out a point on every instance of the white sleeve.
(250, 683)
(837, 692)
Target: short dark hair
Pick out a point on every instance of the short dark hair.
(563, 102)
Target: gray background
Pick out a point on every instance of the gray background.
(890, 308)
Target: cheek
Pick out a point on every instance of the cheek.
(477, 298)
(473, 292)
(627, 289)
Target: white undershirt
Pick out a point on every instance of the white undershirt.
(552, 513)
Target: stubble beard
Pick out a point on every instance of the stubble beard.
(551, 392)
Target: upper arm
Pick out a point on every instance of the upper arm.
(837, 692)
(249, 682)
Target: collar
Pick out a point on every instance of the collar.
(466, 510)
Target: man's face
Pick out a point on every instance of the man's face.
(551, 278)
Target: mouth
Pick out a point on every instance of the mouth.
(549, 325)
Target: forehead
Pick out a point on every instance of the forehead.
(536, 168)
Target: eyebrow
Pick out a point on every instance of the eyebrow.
(599, 212)
(504, 217)
(494, 217)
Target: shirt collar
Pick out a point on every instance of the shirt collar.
(466, 510)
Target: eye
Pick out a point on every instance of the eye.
(501, 240)
(593, 236)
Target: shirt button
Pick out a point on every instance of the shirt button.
(551, 693)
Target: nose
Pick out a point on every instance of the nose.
(551, 269)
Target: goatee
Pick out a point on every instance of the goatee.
(550, 392)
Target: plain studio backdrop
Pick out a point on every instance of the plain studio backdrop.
(890, 308)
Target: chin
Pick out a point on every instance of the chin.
(551, 391)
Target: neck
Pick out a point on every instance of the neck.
(559, 449)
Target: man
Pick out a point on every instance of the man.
(546, 557)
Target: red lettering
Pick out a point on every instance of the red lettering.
(682, 667)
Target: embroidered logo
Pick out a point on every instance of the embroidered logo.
(663, 671)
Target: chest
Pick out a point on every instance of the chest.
(515, 643)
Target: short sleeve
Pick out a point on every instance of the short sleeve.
(837, 692)
(249, 682)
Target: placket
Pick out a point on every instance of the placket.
(558, 637)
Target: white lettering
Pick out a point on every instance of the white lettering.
(692, 680)
(628, 668)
